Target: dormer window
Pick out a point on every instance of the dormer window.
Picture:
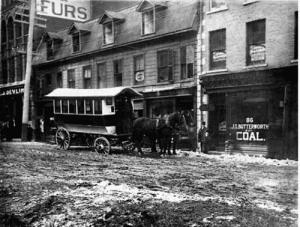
(50, 51)
(148, 22)
(76, 42)
(108, 34)
(149, 9)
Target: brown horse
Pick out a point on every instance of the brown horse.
(151, 127)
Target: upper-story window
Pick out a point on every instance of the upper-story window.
(217, 44)
(148, 22)
(139, 69)
(187, 58)
(108, 33)
(71, 78)
(87, 75)
(296, 36)
(59, 80)
(48, 84)
(3, 36)
(165, 63)
(118, 72)
(101, 75)
(76, 42)
(256, 42)
(217, 4)
(50, 51)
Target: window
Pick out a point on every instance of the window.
(48, 84)
(72, 106)
(187, 57)
(80, 106)
(101, 75)
(165, 65)
(118, 72)
(50, 52)
(148, 22)
(89, 106)
(59, 81)
(87, 74)
(217, 4)
(108, 34)
(98, 106)
(71, 78)
(256, 42)
(76, 42)
(57, 106)
(217, 43)
(139, 73)
(296, 36)
(65, 106)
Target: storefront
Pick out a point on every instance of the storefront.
(256, 111)
(11, 102)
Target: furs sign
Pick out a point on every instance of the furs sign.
(77, 10)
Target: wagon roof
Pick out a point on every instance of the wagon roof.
(103, 92)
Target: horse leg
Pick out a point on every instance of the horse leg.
(153, 144)
(175, 140)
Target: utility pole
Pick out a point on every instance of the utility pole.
(25, 115)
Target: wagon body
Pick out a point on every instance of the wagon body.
(92, 114)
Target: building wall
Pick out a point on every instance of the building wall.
(280, 28)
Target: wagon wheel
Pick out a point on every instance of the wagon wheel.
(62, 138)
(102, 144)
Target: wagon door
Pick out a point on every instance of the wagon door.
(124, 115)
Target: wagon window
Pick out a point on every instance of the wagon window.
(89, 106)
(65, 106)
(57, 106)
(72, 106)
(98, 106)
(80, 106)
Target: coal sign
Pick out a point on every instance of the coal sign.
(207, 107)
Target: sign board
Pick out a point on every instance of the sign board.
(76, 10)
(207, 107)
(12, 91)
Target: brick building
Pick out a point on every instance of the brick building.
(249, 74)
(150, 46)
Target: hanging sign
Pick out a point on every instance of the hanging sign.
(257, 52)
(65, 9)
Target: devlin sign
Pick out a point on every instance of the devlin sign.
(77, 10)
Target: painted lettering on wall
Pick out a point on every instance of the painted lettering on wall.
(12, 91)
(67, 9)
(250, 131)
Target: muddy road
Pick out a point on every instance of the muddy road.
(41, 185)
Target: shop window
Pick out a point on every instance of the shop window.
(76, 42)
(296, 36)
(59, 80)
(217, 4)
(165, 65)
(108, 33)
(87, 75)
(148, 22)
(101, 75)
(118, 72)
(187, 58)
(160, 107)
(89, 106)
(72, 106)
(50, 51)
(139, 71)
(98, 106)
(217, 43)
(80, 106)
(256, 42)
(71, 78)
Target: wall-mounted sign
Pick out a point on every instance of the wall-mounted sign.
(66, 9)
(207, 107)
(257, 52)
(12, 91)
(219, 56)
(139, 77)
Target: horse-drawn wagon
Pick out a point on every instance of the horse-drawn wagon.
(100, 117)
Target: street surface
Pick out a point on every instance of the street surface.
(44, 186)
